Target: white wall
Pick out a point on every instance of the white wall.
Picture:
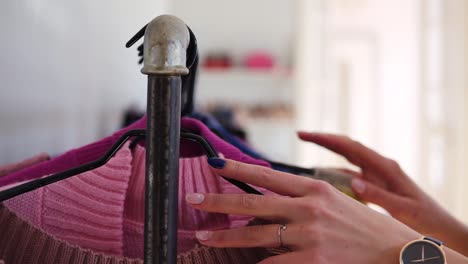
(64, 72)
(359, 64)
(455, 80)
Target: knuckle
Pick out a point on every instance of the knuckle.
(314, 210)
(252, 201)
(264, 173)
(321, 188)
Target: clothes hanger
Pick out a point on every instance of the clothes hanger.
(41, 182)
(211, 153)
(137, 134)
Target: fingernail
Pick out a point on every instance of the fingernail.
(216, 163)
(358, 185)
(203, 235)
(195, 198)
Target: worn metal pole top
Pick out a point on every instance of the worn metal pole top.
(165, 47)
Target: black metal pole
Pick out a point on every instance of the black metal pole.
(162, 169)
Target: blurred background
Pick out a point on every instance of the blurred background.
(389, 73)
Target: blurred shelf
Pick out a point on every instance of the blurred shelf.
(237, 72)
(239, 85)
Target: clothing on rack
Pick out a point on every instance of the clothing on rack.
(23, 243)
(95, 150)
(103, 209)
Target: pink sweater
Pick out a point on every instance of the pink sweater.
(103, 209)
(23, 243)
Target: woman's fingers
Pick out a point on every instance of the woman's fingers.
(276, 181)
(354, 152)
(252, 236)
(269, 207)
(374, 194)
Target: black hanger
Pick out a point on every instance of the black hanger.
(188, 81)
(139, 134)
(211, 153)
(291, 168)
(38, 183)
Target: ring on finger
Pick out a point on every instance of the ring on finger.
(279, 232)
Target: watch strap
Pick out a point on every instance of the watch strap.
(438, 242)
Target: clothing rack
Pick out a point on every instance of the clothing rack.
(165, 44)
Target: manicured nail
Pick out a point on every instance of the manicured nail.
(203, 235)
(217, 163)
(195, 198)
(358, 185)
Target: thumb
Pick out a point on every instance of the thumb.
(374, 194)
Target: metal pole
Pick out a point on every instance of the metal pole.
(162, 168)
(165, 45)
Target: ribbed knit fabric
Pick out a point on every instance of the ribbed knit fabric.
(103, 209)
(10, 168)
(85, 210)
(95, 150)
(21, 243)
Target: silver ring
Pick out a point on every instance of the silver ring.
(278, 234)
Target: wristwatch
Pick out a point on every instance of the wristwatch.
(426, 250)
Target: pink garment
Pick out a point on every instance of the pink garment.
(85, 210)
(103, 210)
(10, 168)
(29, 245)
(95, 150)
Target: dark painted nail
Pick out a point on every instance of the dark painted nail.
(217, 163)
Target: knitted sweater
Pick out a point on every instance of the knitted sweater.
(95, 150)
(103, 210)
(21, 243)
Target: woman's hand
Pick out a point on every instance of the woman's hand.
(322, 224)
(383, 182)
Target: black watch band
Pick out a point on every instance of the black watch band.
(438, 242)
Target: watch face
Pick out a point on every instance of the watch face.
(422, 252)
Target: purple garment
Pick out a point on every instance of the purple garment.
(91, 152)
